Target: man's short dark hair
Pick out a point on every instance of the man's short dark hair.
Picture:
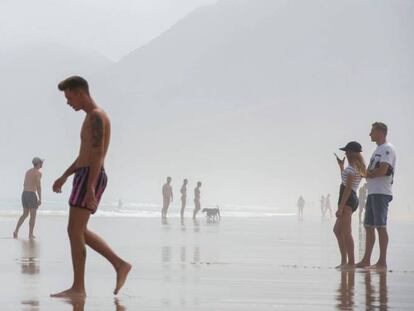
(73, 83)
(380, 126)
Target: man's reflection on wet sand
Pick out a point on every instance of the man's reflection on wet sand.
(376, 291)
(196, 226)
(166, 254)
(345, 293)
(30, 305)
(376, 297)
(118, 305)
(78, 304)
(29, 259)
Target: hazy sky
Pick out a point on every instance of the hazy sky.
(112, 28)
(249, 96)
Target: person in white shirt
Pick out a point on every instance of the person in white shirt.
(348, 201)
(380, 178)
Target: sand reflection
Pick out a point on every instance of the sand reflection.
(29, 261)
(78, 304)
(30, 305)
(376, 296)
(196, 226)
(346, 291)
(166, 254)
(376, 290)
(118, 305)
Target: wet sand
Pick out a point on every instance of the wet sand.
(269, 263)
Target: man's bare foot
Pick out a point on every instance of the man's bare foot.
(362, 264)
(343, 262)
(15, 236)
(121, 276)
(378, 267)
(71, 294)
(347, 267)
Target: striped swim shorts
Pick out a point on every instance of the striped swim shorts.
(80, 181)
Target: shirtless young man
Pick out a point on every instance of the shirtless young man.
(30, 201)
(88, 185)
(197, 197)
(167, 197)
(183, 197)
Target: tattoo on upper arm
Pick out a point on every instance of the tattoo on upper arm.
(97, 131)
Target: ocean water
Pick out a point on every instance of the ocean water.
(134, 209)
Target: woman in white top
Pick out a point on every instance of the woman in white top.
(348, 201)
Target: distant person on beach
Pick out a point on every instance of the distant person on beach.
(120, 204)
(89, 184)
(380, 178)
(167, 197)
(328, 206)
(322, 204)
(197, 198)
(30, 202)
(183, 191)
(301, 206)
(348, 201)
(362, 200)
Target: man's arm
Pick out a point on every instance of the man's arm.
(71, 169)
(57, 185)
(96, 155)
(378, 172)
(39, 188)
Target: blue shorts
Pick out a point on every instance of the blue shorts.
(376, 210)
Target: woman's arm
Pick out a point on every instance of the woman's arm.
(347, 192)
(340, 163)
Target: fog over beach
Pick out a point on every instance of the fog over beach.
(252, 104)
(251, 97)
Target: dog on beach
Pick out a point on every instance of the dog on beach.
(213, 214)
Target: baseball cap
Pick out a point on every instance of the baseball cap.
(352, 146)
(37, 160)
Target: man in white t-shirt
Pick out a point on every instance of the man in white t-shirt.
(380, 178)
